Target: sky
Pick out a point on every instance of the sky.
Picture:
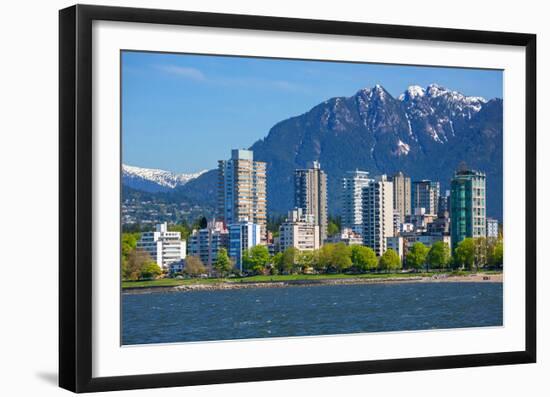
(183, 112)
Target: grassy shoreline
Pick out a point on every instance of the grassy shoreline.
(302, 278)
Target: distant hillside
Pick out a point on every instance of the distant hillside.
(173, 206)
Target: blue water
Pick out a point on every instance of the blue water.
(162, 317)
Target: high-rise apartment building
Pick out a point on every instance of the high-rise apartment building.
(444, 201)
(402, 195)
(164, 247)
(242, 190)
(425, 194)
(353, 183)
(378, 214)
(310, 194)
(468, 205)
(299, 231)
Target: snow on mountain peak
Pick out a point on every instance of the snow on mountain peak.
(376, 92)
(434, 90)
(163, 178)
(412, 92)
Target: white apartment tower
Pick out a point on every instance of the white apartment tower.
(242, 190)
(353, 183)
(164, 247)
(378, 214)
(310, 194)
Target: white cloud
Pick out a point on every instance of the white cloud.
(195, 74)
(183, 71)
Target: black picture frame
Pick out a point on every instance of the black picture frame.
(75, 197)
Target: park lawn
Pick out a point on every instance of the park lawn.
(297, 277)
(171, 282)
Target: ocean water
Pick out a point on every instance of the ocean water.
(164, 317)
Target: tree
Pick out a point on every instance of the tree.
(223, 264)
(332, 228)
(150, 270)
(416, 257)
(390, 260)
(194, 266)
(305, 260)
(465, 253)
(127, 244)
(481, 252)
(200, 223)
(137, 259)
(183, 228)
(256, 259)
(496, 255)
(325, 257)
(278, 262)
(274, 222)
(341, 257)
(499, 253)
(334, 257)
(284, 261)
(363, 258)
(439, 255)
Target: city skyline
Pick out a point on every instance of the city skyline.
(292, 173)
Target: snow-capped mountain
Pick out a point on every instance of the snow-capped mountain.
(154, 180)
(424, 132)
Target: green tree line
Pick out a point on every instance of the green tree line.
(136, 264)
(470, 254)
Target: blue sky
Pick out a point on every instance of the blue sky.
(184, 112)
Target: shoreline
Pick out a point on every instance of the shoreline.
(231, 285)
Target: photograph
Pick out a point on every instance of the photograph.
(269, 197)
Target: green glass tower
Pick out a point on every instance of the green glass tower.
(468, 205)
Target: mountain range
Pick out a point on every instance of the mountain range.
(424, 132)
(154, 180)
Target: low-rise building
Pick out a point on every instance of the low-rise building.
(346, 236)
(163, 246)
(420, 219)
(176, 267)
(205, 243)
(397, 222)
(440, 225)
(396, 243)
(299, 231)
(492, 228)
(243, 235)
(406, 228)
(427, 239)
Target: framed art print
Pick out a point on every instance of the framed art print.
(248, 198)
